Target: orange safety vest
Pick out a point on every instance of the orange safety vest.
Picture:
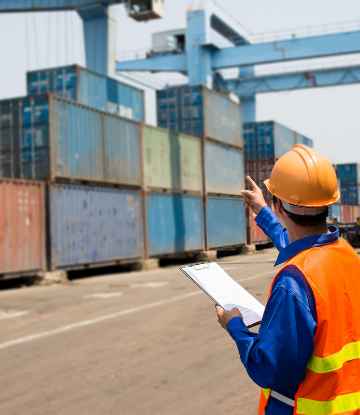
(332, 382)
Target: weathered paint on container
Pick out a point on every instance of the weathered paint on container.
(267, 140)
(200, 112)
(93, 225)
(350, 194)
(226, 222)
(89, 88)
(122, 140)
(172, 161)
(355, 213)
(257, 234)
(348, 173)
(22, 227)
(46, 138)
(335, 212)
(224, 169)
(174, 224)
(259, 171)
(346, 214)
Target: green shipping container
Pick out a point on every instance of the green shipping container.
(172, 161)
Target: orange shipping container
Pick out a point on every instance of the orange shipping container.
(355, 213)
(22, 227)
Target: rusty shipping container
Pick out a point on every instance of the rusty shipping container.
(346, 214)
(22, 227)
(172, 161)
(257, 235)
(259, 171)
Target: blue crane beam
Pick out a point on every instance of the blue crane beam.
(50, 5)
(157, 63)
(293, 81)
(261, 53)
(287, 50)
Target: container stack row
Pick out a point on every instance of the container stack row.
(109, 188)
(264, 143)
(349, 185)
(217, 123)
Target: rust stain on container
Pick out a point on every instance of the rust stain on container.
(22, 226)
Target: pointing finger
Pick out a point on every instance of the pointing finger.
(253, 184)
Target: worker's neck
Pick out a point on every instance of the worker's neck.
(296, 232)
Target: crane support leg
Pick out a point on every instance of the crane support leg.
(100, 38)
(248, 101)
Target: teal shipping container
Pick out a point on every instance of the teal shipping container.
(334, 212)
(47, 138)
(348, 173)
(224, 169)
(226, 222)
(89, 88)
(201, 112)
(90, 225)
(301, 139)
(174, 224)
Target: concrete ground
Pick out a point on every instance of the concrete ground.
(141, 343)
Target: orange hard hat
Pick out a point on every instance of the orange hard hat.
(303, 177)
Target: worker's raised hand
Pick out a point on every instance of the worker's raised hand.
(254, 199)
(224, 316)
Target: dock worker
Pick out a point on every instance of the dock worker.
(306, 357)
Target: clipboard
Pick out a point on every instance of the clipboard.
(225, 291)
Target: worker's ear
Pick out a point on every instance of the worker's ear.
(280, 207)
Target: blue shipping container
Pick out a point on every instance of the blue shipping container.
(224, 169)
(226, 222)
(47, 137)
(93, 225)
(267, 140)
(335, 212)
(348, 173)
(89, 88)
(201, 112)
(174, 223)
(301, 139)
(350, 194)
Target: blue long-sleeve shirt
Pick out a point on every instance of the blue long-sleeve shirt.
(277, 357)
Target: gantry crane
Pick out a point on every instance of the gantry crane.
(99, 23)
(204, 56)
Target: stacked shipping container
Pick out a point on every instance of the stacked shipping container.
(265, 143)
(217, 121)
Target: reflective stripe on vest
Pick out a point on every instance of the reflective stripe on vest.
(332, 382)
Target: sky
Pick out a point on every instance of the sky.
(330, 116)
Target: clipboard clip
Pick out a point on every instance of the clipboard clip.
(203, 265)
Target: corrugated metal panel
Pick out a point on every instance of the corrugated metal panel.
(267, 140)
(89, 88)
(174, 223)
(200, 112)
(122, 140)
(46, 137)
(226, 222)
(259, 171)
(93, 225)
(346, 214)
(301, 139)
(172, 161)
(350, 194)
(335, 211)
(224, 169)
(76, 140)
(257, 235)
(348, 173)
(223, 118)
(22, 226)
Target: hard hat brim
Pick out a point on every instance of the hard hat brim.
(335, 198)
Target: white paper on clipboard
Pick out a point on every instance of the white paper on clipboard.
(226, 292)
